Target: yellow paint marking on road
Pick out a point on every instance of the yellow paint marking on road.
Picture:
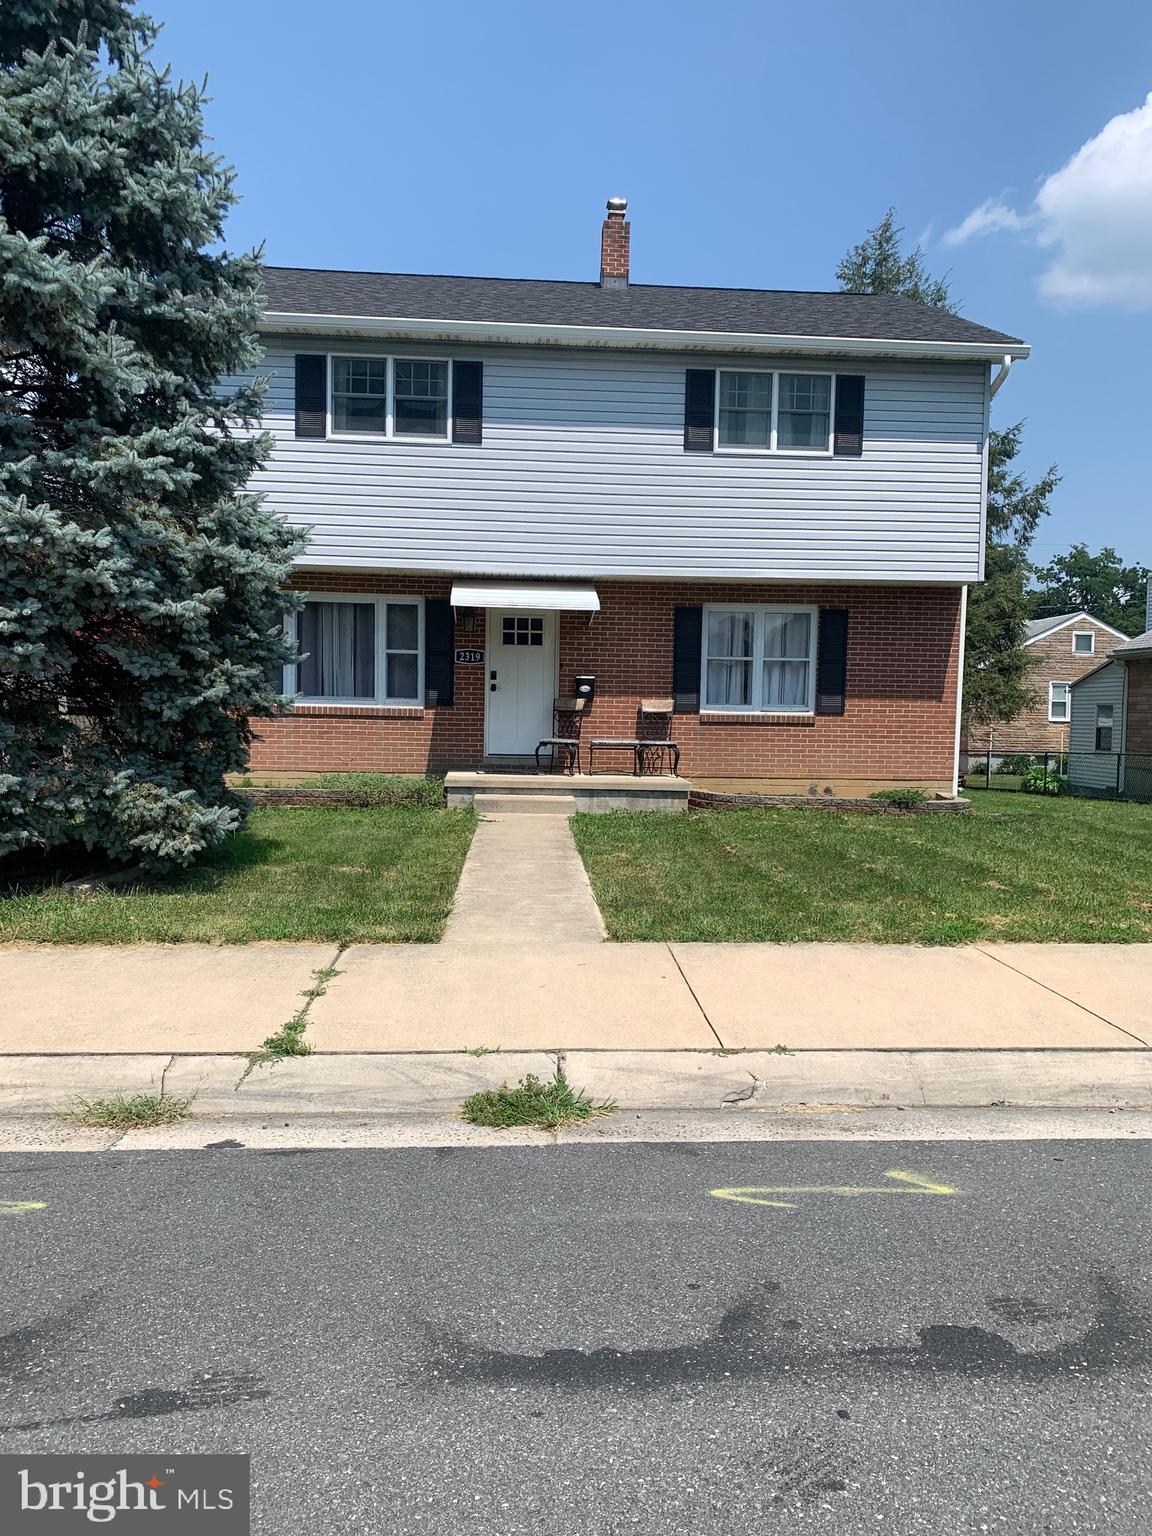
(20, 1207)
(906, 1184)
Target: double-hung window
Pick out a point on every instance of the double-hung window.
(357, 650)
(391, 397)
(1104, 722)
(774, 412)
(759, 659)
(1058, 701)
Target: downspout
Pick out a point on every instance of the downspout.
(999, 376)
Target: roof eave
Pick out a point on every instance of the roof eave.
(632, 339)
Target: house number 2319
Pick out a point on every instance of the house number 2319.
(470, 658)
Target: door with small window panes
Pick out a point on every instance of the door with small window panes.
(521, 672)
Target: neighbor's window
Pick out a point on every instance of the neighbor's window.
(1058, 701)
(401, 397)
(1083, 642)
(774, 412)
(1104, 727)
(357, 651)
(360, 394)
(759, 659)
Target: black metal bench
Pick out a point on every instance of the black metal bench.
(564, 743)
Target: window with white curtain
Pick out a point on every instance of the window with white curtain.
(759, 659)
(357, 650)
(774, 412)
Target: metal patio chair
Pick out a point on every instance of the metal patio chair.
(655, 741)
(564, 742)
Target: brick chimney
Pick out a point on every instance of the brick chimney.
(614, 238)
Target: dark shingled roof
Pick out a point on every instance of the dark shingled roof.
(644, 306)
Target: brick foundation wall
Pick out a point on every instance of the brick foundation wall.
(1138, 726)
(903, 651)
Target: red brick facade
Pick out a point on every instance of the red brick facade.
(898, 726)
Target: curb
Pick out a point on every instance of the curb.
(357, 1084)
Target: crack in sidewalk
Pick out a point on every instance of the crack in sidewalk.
(1147, 1044)
(695, 999)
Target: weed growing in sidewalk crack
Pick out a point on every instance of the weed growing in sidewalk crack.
(289, 1039)
(483, 1050)
(548, 1106)
(131, 1111)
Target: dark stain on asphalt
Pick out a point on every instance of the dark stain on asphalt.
(750, 1343)
(1117, 1336)
(222, 1146)
(27, 1351)
(1024, 1309)
(208, 1391)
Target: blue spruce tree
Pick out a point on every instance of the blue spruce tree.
(140, 584)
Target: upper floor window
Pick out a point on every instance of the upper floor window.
(759, 659)
(1083, 642)
(775, 412)
(357, 650)
(1058, 701)
(391, 397)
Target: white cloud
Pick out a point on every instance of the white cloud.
(991, 217)
(1094, 214)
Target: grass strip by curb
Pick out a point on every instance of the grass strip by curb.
(548, 1106)
(130, 1111)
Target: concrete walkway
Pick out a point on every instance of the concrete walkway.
(524, 885)
(577, 995)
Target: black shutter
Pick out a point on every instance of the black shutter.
(467, 402)
(439, 628)
(311, 395)
(848, 436)
(687, 631)
(699, 409)
(832, 662)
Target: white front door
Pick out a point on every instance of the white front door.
(521, 667)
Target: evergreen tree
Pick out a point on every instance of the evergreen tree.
(995, 663)
(878, 265)
(140, 601)
(1099, 584)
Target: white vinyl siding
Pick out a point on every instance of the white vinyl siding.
(583, 473)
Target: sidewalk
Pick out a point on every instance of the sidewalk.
(458, 996)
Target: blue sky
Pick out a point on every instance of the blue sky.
(755, 143)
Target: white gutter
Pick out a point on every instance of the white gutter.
(489, 331)
(1001, 374)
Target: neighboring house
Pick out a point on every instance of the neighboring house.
(1111, 732)
(767, 504)
(1061, 649)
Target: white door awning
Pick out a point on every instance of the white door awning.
(541, 596)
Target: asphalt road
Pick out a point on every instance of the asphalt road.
(584, 1340)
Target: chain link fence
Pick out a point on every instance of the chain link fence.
(1098, 775)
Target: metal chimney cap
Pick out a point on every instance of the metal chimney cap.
(617, 205)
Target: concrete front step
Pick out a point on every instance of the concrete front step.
(525, 805)
(590, 792)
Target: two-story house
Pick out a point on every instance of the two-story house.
(768, 505)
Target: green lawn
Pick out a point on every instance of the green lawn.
(380, 875)
(1019, 867)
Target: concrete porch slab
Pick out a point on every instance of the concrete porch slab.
(592, 792)
(151, 997)
(880, 997)
(452, 997)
